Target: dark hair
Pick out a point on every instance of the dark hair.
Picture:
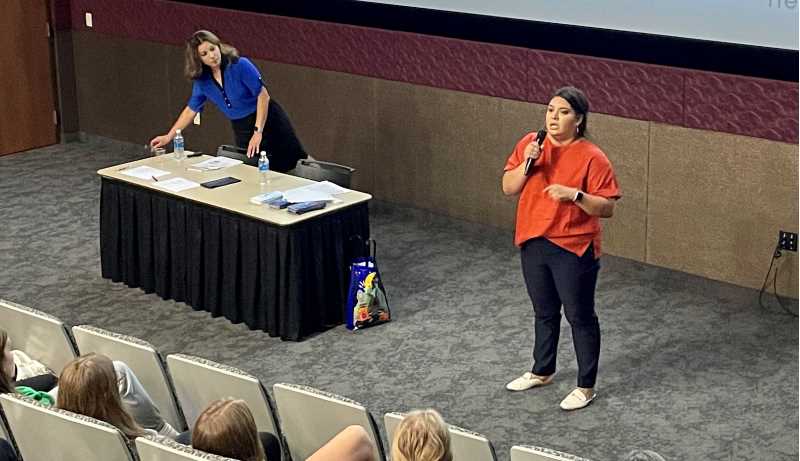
(193, 65)
(577, 100)
(6, 386)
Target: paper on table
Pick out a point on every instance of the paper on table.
(297, 196)
(145, 172)
(324, 190)
(326, 187)
(215, 163)
(176, 184)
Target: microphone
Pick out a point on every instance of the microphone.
(539, 140)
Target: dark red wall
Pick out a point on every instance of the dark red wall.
(740, 105)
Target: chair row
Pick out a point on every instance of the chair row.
(74, 437)
(182, 389)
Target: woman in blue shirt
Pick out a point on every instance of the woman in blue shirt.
(234, 84)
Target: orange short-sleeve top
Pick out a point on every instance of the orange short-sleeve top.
(580, 164)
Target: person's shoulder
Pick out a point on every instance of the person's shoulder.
(592, 150)
(243, 63)
(527, 138)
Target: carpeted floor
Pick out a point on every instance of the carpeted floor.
(691, 368)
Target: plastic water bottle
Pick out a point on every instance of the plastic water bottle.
(177, 145)
(263, 168)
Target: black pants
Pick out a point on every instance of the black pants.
(556, 277)
(7, 451)
(43, 383)
(272, 448)
(279, 140)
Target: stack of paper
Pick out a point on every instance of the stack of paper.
(176, 184)
(215, 163)
(145, 172)
(323, 191)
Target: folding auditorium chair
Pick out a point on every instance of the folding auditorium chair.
(533, 453)
(40, 335)
(165, 449)
(42, 433)
(466, 445)
(323, 171)
(310, 418)
(198, 382)
(142, 358)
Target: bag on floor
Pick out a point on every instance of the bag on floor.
(367, 304)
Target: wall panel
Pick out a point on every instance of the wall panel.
(716, 203)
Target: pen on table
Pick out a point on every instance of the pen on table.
(196, 154)
(154, 178)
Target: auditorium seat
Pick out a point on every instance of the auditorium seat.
(40, 335)
(198, 382)
(310, 418)
(43, 433)
(152, 448)
(466, 445)
(142, 358)
(533, 453)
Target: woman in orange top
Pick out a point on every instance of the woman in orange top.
(570, 186)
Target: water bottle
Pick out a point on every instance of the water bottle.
(263, 168)
(177, 145)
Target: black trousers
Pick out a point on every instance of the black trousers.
(7, 451)
(279, 139)
(44, 383)
(556, 277)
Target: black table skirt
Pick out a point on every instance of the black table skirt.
(288, 281)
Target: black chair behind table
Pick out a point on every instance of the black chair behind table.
(236, 153)
(323, 171)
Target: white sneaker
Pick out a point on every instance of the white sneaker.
(527, 381)
(577, 400)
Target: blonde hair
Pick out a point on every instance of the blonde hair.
(227, 428)
(193, 66)
(88, 385)
(422, 436)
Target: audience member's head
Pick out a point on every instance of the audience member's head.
(422, 436)
(643, 455)
(88, 385)
(227, 428)
(6, 364)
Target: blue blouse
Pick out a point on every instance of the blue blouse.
(237, 97)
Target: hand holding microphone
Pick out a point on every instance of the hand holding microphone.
(533, 151)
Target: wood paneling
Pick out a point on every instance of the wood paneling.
(27, 79)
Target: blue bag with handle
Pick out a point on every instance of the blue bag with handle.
(367, 304)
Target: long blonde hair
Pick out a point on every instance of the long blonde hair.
(88, 385)
(227, 428)
(193, 66)
(422, 436)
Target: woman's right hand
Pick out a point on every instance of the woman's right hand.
(160, 141)
(533, 150)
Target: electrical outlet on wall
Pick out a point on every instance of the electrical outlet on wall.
(197, 118)
(787, 240)
(89, 19)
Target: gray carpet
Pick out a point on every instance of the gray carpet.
(691, 368)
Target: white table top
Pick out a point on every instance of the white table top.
(233, 197)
